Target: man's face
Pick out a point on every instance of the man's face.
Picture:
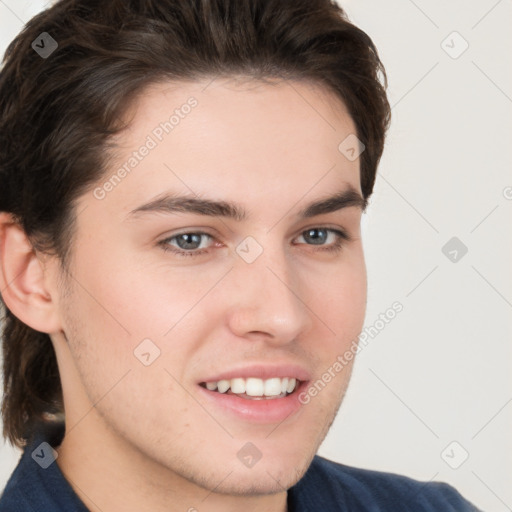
(152, 332)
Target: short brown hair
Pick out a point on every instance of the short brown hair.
(57, 115)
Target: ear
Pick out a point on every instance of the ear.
(22, 279)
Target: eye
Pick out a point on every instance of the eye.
(190, 243)
(319, 235)
(187, 243)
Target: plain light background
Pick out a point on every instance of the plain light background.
(431, 393)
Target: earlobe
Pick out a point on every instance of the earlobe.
(22, 279)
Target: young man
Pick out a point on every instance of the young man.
(181, 257)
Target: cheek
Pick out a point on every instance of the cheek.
(115, 325)
(125, 313)
(340, 298)
(130, 298)
(345, 301)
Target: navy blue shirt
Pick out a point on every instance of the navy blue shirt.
(38, 485)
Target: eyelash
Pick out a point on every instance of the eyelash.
(334, 248)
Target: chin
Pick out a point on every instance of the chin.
(262, 481)
(271, 476)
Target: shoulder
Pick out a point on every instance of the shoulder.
(37, 482)
(12, 498)
(330, 484)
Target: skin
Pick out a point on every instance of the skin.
(141, 437)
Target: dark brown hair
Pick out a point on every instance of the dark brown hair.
(57, 114)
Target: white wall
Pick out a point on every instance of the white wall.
(440, 371)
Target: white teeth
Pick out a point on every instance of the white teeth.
(273, 387)
(254, 386)
(238, 385)
(223, 386)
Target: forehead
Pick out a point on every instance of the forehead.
(234, 92)
(238, 138)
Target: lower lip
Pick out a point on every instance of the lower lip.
(271, 410)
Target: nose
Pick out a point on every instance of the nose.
(269, 299)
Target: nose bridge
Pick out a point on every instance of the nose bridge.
(268, 292)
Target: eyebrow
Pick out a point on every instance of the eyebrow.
(169, 203)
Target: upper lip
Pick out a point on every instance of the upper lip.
(262, 371)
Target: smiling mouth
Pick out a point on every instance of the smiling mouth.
(254, 388)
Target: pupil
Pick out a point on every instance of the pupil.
(186, 237)
(317, 239)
